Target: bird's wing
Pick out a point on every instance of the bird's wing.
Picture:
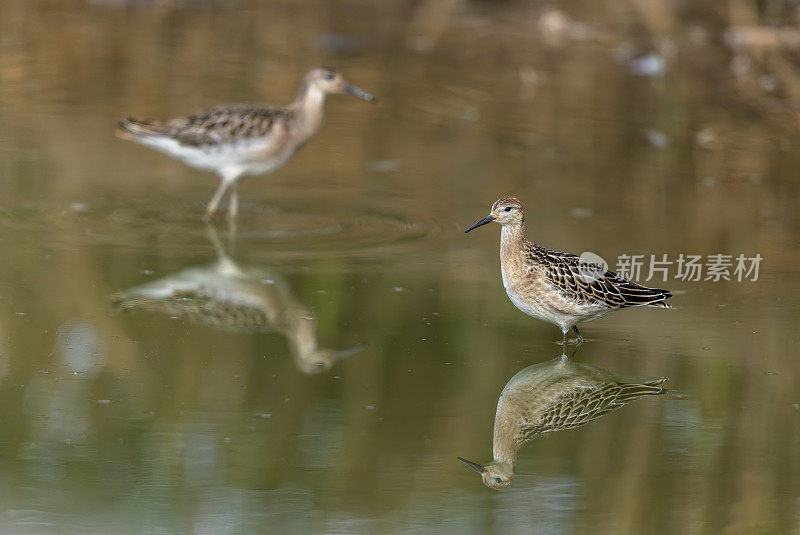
(582, 404)
(587, 282)
(222, 124)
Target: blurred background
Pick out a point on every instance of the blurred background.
(371, 337)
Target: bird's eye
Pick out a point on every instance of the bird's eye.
(508, 209)
(498, 480)
(329, 76)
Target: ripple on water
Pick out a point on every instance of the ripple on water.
(306, 228)
(328, 228)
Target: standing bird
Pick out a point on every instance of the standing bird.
(559, 287)
(242, 139)
(553, 396)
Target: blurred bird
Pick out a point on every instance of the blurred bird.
(238, 299)
(242, 139)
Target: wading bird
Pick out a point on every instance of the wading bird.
(235, 140)
(558, 287)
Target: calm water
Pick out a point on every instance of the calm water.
(351, 341)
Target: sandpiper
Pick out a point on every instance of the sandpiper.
(553, 396)
(242, 139)
(559, 287)
(237, 299)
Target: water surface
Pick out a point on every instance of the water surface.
(622, 131)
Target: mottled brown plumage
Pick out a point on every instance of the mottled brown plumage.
(235, 140)
(555, 286)
(553, 396)
(227, 123)
(588, 282)
(236, 299)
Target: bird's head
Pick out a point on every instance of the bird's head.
(495, 475)
(323, 360)
(330, 81)
(506, 211)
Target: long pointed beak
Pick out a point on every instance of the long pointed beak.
(486, 220)
(344, 353)
(360, 93)
(475, 466)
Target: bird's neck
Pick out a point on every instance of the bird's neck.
(505, 440)
(512, 238)
(505, 452)
(308, 106)
(301, 333)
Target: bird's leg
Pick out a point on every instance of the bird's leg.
(233, 202)
(233, 211)
(214, 202)
(563, 341)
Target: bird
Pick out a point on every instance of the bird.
(236, 298)
(235, 140)
(553, 396)
(559, 287)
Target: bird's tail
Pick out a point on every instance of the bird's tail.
(638, 295)
(134, 129)
(631, 391)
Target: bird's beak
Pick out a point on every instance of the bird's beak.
(344, 353)
(475, 466)
(484, 221)
(360, 93)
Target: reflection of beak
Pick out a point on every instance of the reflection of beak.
(360, 93)
(484, 221)
(344, 353)
(475, 466)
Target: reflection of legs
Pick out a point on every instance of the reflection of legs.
(577, 340)
(571, 355)
(211, 230)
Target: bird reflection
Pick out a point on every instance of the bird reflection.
(239, 299)
(553, 396)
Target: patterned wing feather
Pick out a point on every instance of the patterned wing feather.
(222, 124)
(581, 405)
(590, 282)
(229, 316)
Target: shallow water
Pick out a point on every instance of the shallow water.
(320, 370)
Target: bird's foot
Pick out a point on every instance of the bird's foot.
(578, 340)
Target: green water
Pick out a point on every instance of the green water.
(154, 418)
